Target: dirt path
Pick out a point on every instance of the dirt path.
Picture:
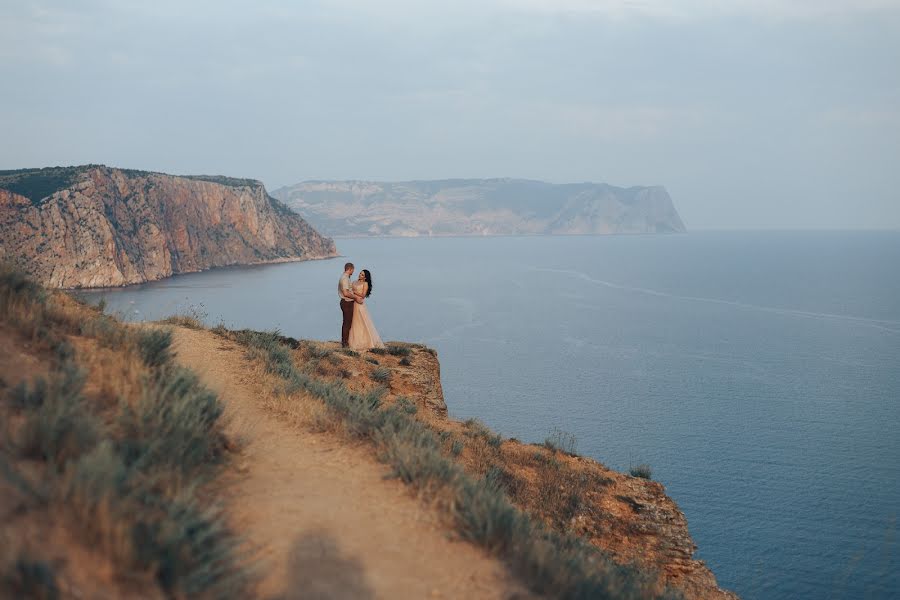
(327, 522)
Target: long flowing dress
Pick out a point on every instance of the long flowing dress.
(363, 335)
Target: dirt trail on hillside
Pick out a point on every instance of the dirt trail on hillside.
(327, 522)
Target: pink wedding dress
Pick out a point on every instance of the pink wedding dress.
(363, 335)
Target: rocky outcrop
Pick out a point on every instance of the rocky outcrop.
(480, 207)
(94, 226)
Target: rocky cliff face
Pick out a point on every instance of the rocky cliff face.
(629, 517)
(480, 207)
(96, 226)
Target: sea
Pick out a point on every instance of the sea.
(756, 373)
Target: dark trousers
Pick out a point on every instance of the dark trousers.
(347, 310)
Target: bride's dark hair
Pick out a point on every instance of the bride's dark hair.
(369, 281)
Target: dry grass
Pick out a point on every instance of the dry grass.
(466, 470)
(113, 446)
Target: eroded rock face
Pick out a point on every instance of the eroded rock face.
(480, 207)
(110, 227)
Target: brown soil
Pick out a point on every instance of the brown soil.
(325, 518)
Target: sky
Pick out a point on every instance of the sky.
(754, 114)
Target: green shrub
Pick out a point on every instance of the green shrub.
(15, 286)
(406, 405)
(106, 330)
(27, 578)
(371, 360)
(457, 447)
(154, 346)
(173, 426)
(319, 352)
(405, 361)
(642, 471)
(378, 351)
(502, 480)
(58, 426)
(396, 350)
(561, 440)
(381, 375)
(186, 321)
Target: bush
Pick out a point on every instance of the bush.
(381, 375)
(186, 321)
(378, 351)
(26, 578)
(58, 426)
(396, 350)
(642, 471)
(15, 286)
(563, 441)
(319, 352)
(405, 361)
(174, 425)
(406, 405)
(457, 447)
(154, 346)
(106, 330)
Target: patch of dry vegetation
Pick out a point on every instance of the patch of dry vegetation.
(104, 459)
(516, 501)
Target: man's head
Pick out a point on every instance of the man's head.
(348, 268)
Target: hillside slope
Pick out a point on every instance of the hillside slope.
(394, 399)
(328, 520)
(480, 207)
(95, 226)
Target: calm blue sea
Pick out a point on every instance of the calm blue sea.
(757, 373)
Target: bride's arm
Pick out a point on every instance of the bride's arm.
(361, 298)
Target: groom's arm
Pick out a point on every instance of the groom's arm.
(346, 293)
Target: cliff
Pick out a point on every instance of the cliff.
(480, 207)
(95, 226)
(630, 518)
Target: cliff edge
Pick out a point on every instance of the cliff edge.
(95, 226)
(629, 519)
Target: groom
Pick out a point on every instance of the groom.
(347, 300)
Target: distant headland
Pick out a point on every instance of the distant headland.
(480, 207)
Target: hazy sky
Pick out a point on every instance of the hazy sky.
(753, 113)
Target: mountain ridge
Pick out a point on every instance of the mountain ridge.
(471, 206)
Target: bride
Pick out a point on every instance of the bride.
(363, 335)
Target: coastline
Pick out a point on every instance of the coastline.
(273, 261)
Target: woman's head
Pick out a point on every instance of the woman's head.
(364, 275)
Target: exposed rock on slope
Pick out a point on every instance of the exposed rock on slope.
(480, 207)
(95, 226)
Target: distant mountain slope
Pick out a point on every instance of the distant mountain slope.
(95, 226)
(480, 207)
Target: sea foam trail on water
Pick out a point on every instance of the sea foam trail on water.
(873, 323)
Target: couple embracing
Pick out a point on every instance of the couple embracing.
(357, 331)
